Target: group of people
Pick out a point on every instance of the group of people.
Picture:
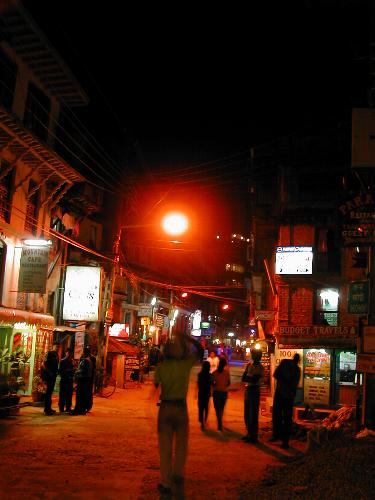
(172, 377)
(287, 376)
(213, 378)
(83, 375)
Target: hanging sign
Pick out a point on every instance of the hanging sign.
(33, 269)
(358, 297)
(81, 295)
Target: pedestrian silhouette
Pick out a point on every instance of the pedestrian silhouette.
(204, 393)
(49, 372)
(172, 375)
(66, 370)
(220, 383)
(287, 376)
(83, 376)
(253, 375)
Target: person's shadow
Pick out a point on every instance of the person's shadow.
(226, 435)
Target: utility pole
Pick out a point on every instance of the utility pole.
(171, 317)
(107, 309)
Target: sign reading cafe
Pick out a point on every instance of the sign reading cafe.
(81, 295)
(33, 269)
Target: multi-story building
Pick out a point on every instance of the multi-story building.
(43, 198)
(307, 270)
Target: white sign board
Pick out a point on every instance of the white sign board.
(294, 260)
(316, 391)
(144, 310)
(265, 315)
(81, 295)
(33, 269)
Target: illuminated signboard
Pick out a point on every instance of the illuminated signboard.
(294, 260)
(81, 295)
(119, 330)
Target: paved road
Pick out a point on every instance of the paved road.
(112, 452)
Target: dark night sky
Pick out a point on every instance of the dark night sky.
(182, 87)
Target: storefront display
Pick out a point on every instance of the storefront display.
(317, 365)
(22, 350)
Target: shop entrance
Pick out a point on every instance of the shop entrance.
(317, 376)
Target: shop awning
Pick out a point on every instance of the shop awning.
(11, 316)
(117, 347)
(63, 328)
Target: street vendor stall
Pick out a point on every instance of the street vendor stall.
(122, 360)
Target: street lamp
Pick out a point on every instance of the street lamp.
(173, 223)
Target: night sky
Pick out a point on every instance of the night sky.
(179, 87)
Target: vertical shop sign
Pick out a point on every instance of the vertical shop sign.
(79, 344)
(33, 269)
(358, 297)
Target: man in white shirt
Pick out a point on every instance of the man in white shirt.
(214, 361)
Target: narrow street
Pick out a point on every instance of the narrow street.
(112, 452)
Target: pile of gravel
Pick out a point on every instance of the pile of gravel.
(342, 468)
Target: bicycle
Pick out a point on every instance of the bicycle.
(105, 385)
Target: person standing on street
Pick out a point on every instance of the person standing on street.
(49, 372)
(213, 359)
(83, 376)
(66, 370)
(220, 383)
(172, 375)
(253, 375)
(204, 393)
(287, 376)
(92, 383)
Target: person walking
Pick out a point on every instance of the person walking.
(66, 370)
(220, 383)
(49, 372)
(172, 376)
(83, 376)
(287, 376)
(253, 375)
(213, 359)
(92, 381)
(204, 393)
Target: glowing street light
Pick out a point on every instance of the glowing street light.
(175, 223)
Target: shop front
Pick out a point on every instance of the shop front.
(328, 363)
(25, 337)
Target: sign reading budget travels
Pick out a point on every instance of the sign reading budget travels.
(81, 295)
(294, 260)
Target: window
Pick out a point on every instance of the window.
(31, 220)
(37, 110)
(235, 268)
(326, 306)
(5, 191)
(8, 74)
(347, 368)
